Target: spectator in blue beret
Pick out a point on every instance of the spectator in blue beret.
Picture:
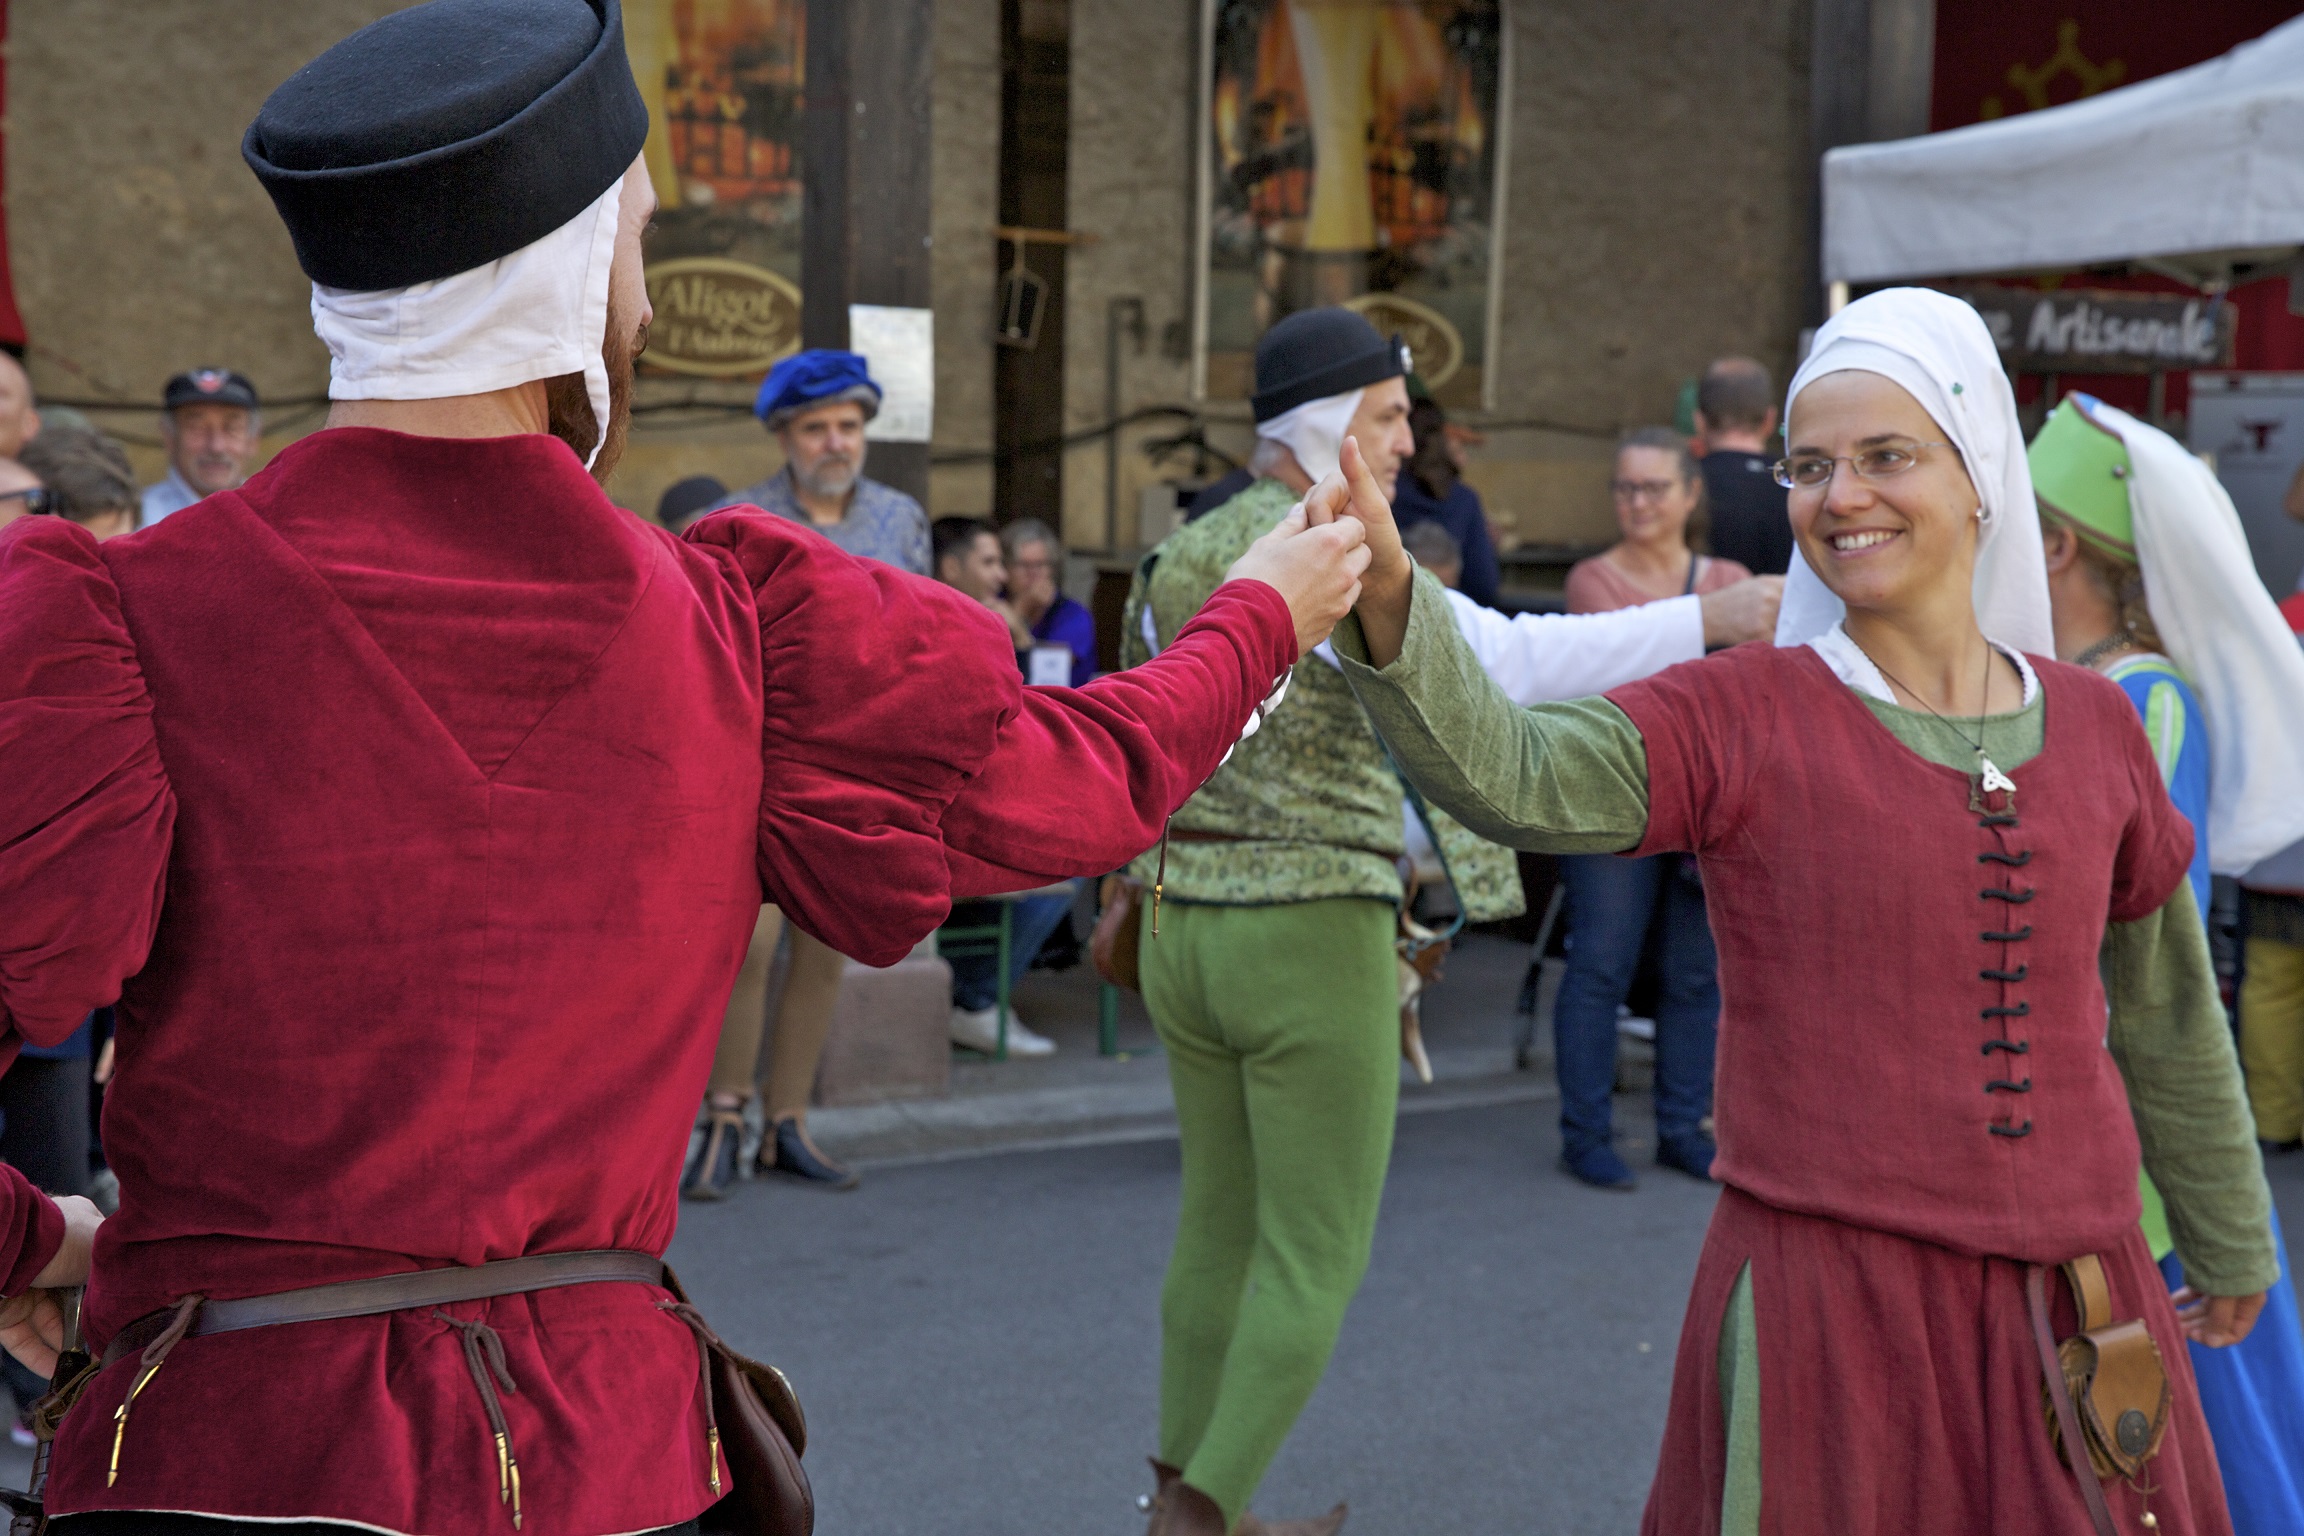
(817, 402)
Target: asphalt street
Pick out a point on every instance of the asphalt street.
(976, 1340)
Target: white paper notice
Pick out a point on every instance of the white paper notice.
(899, 346)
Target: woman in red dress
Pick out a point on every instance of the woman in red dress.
(1933, 860)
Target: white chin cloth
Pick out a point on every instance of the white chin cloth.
(538, 313)
(1314, 432)
(1936, 348)
(2225, 635)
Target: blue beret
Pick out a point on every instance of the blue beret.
(805, 378)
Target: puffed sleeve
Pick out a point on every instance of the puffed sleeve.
(86, 822)
(906, 764)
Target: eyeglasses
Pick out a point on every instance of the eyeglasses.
(1813, 471)
(1641, 490)
(37, 499)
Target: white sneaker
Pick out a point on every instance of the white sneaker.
(979, 1030)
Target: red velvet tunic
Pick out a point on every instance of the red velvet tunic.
(1914, 1098)
(443, 795)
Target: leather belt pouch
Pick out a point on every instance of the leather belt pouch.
(2116, 1379)
(756, 1419)
(1116, 945)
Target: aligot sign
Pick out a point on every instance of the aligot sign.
(720, 317)
(2094, 330)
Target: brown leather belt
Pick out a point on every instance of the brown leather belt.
(154, 1335)
(397, 1293)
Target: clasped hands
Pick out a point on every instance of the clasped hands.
(1336, 549)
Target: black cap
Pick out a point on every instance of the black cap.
(683, 499)
(209, 386)
(1315, 353)
(447, 135)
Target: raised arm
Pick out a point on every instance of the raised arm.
(87, 818)
(1560, 778)
(1082, 779)
(905, 764)
(2174, 1049)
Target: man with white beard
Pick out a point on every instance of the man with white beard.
(817, 402)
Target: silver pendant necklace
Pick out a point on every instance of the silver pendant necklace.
(1989, 779)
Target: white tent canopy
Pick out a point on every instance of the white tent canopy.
(2199, 169)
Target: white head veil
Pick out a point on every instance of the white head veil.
(538, 313)
(2224, 633)
(1937, 349)
(1314, 431)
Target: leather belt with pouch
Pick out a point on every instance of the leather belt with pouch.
(2106, 1386)
(1115, 947)
(751, 1416)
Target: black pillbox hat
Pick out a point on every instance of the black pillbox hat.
(447, 135)
(1315, 353)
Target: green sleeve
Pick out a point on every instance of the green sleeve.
(1558, 778)
(2174, 1048)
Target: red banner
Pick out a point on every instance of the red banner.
(11, 323)
(1996, 58)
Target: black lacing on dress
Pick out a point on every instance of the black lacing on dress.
(2005, 972)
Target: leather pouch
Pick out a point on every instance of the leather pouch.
(761, 1431)
(2116, 1379)
(1115, 946)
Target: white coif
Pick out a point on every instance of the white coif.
(539, 313)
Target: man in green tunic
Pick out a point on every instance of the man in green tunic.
(1274, 981)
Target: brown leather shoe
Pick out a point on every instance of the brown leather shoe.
(1327, 1525)
(1155, 1504)
(1183, 1510)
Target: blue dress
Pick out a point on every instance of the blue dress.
(2253, 1392)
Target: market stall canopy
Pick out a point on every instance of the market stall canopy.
(2195, 173)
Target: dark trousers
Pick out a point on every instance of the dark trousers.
(45, 1134)
(1613, 905)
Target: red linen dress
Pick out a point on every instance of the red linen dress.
(1914, 1097)
(418, 803)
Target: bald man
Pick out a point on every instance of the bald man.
(19, 418)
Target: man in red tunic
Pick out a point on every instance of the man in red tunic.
(416, 802)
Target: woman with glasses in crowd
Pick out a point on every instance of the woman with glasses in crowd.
(1614, 904)
(1922, 838)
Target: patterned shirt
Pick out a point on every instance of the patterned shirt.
(1312, 798)
(882, 523)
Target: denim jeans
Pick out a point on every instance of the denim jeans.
(1612, 905)
(976, 978)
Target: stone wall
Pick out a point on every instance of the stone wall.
(1655, 213)
(1656, 205)
(140, 243)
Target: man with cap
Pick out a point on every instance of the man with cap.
(417, 804)
(209, 422)
(1273, 980)
(817, 403)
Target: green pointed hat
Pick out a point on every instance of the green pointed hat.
(2080, 472)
